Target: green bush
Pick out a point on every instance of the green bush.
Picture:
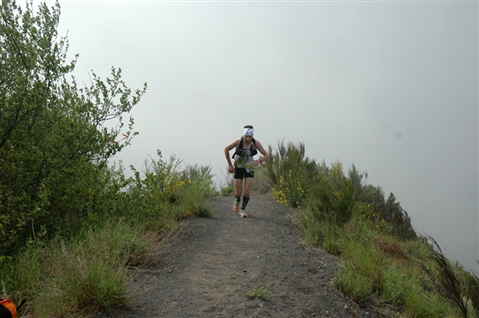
(290, 173)
(53, 138)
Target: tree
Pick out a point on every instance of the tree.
(55, 137)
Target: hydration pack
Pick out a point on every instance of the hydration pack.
(239, 149)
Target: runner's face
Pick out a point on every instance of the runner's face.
(247, 138)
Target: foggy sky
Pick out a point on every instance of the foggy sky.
(391, 87)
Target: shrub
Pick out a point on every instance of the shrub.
(289, 172)
(54, 143)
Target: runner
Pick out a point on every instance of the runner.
(244, 164)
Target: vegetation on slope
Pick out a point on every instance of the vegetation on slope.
(70, 226)
(384, 262)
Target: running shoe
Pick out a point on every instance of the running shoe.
(243, 214)
(236, 207)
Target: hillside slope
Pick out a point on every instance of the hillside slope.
(214, 261)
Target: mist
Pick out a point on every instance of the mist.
(391, 87)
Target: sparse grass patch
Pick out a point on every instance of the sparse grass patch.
(390, 247)
(204, 211)
(325, 235)
(366, 260)
(227, 190)
(353, 285)
(259, 292)
(226, 185)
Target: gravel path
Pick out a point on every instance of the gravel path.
(214, 261)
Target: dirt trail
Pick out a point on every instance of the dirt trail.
(215, 261)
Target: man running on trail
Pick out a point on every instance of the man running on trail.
(244, 164)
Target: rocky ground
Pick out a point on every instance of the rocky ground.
(215, 261)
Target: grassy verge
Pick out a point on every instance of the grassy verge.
(383, 262)
(81, 275)
(70, 276)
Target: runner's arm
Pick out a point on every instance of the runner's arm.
(261, 149)
(228, 148)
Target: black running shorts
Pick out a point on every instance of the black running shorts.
(241, 173)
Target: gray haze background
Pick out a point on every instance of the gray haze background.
(391, 87)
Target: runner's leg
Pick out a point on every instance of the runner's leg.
(247, 191)
(248, 186)
(238, 187)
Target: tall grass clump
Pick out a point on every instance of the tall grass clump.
(383, 262)
(82, 275)
(458, 287)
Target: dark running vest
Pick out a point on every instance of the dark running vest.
(239, 149)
